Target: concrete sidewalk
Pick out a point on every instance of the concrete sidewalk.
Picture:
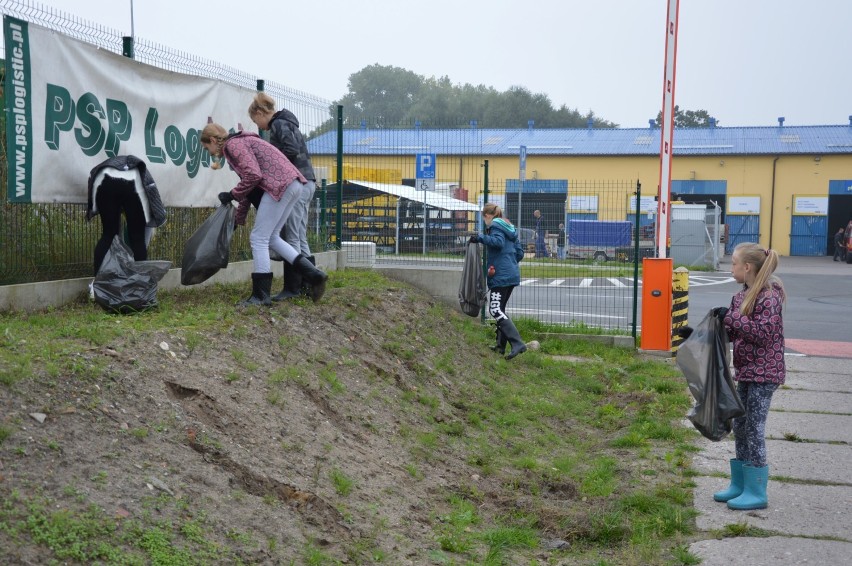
(809, 445)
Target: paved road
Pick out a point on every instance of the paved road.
(819, 298)
(819, 306)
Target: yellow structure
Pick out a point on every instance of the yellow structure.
(680, 305)
(785, 172)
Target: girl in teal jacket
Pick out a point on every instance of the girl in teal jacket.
(503, 251)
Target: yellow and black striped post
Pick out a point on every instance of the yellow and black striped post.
(680, 305)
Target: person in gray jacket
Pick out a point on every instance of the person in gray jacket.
(284, 133)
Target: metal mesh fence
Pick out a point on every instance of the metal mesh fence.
(580, 236)
(42, 242)
(313, 111)
(384, 219)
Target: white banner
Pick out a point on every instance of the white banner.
(744, 205)
(71, 105)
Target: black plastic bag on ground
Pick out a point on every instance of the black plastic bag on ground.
(208, 249)
(473, 290)
(124, 285)
(703, 359)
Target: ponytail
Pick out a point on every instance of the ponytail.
(765, 262)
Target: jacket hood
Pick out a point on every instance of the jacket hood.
(287, 116)
(241, 134)
(511, 233)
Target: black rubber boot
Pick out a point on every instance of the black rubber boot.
(315, 277)
(261, 287)
(500, 344)
(507, 327)
(306, 287)
(292, 284)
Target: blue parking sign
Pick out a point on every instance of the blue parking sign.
(426, 165)
(425, 179)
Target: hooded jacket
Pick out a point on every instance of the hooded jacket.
(155, 212)
(502, 253)
(284, 134)
(260, 166)
(758, 339)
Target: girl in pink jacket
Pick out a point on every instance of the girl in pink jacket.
(756, 328)
(273, 184)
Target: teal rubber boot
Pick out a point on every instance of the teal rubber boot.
(736, 487)
(754, 489)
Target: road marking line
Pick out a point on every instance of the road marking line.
(563, 313)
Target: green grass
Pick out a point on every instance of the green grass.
(591, 452)
(89, 535)
(611, 397)
(343, 485)
(555, 269)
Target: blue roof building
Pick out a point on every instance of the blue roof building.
(708, 141)
(786, 187)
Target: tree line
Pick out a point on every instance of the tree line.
(384, 96)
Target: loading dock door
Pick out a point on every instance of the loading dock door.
(809, 225)
(839, 209)
(742, 228)
(743, 221)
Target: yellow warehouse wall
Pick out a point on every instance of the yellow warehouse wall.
(795, 175)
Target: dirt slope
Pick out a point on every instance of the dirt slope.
(251, 426)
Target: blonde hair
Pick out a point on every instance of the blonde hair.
(492, 209)
(262, 104)
(213, 132)
(765, 262)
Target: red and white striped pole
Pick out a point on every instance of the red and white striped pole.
(667, 132)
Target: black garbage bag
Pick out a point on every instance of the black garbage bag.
(124, 285)
(208, 249)
(703, 359)
(473, 290)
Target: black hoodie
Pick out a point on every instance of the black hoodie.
(284, 134)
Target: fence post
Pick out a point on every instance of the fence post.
(636, 262)
(478, 224)
(338, 229)
(680, 305)
(127, 46)
(322, 218)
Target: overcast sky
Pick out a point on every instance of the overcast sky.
(746, 62)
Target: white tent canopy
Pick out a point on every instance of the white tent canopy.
(440, 204)
(432, 199)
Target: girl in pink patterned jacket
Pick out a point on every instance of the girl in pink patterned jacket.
(269, 179)
(756, 328)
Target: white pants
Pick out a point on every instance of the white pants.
(270, 218)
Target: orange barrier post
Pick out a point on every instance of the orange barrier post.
(656, 304)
